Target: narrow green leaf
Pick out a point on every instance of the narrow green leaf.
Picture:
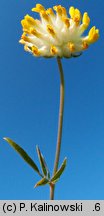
(23, 154)
(59, 172)
(42, 182)
(42, 163)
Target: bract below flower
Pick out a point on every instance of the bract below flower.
(56, 34)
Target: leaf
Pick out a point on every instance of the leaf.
(43, 163)
(59, 172)
(42, 182)
(23, 154)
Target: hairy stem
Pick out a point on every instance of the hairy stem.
(60, 123)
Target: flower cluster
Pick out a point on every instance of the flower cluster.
(56, 34)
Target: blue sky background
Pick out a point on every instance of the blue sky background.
(29, 102)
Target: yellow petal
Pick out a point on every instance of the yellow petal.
(50, 30)
(25, 24)
(35, 32)
(35, 51)
(58, 9)
(50, 11)
(93, 35)
(53, 50)
(72, 12)
(45, 16)
(85, 45)
(75, 15)
(66, 21)
(86, 20)
(64, 13)
(25, 38)
(78, 15)
(91, 32)
(71, 46)
(30, 20)
(38, 8)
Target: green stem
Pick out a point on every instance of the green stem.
(60, 123)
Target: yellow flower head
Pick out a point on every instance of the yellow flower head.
(56, 34)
